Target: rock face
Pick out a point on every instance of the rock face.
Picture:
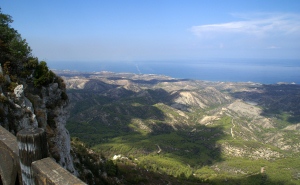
(38, 107)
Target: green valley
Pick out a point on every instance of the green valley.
(187, 131)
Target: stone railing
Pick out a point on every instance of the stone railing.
(23, 160)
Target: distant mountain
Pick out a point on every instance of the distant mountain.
(195, 131)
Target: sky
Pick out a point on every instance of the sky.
(135, 30)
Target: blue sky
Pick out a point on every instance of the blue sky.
(135, 30)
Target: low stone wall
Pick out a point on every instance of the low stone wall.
(9, 160)
(45, 171)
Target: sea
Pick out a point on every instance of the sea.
(265, 71)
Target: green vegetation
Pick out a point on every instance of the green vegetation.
(42, 74)
(166, 132)
(89, 164)
(17, 61)
(177, 146)
(193, 160)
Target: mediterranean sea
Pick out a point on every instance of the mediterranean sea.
(264, 71)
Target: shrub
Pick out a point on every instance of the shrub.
(111, 168)
(12, 86)
(64, 96)
(3, 99)
(60, 81)
(6, 67)
(32, 63)
(42, 75)
(2, 79)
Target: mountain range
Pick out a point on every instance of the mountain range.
(196, 131)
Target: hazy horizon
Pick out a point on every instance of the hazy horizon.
(254, 70)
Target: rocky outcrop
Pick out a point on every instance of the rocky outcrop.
(38, 107)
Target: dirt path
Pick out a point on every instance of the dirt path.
(159, 149)
(231, 130)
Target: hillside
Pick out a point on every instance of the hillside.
(194, 131)
(151, 129)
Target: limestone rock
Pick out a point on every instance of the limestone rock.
(19, 91)
(43, 107)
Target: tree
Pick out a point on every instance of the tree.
(43, 75)
(13, 48)
(16, 58)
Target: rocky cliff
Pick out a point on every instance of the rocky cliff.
(45, 107)
(31, 95)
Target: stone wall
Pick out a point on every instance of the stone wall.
(46, 171)
(9, 160)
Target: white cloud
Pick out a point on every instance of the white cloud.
(258, 25)
(273, 47)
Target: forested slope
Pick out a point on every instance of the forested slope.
(195, 131)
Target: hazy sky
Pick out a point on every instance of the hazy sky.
(134, 30)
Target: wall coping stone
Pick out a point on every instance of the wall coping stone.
(9, 160)
(48, 172)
